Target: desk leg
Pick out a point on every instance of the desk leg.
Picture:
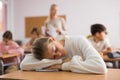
(1, 67)
(117, 64)
(18, 60)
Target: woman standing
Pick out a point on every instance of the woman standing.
(55, 25)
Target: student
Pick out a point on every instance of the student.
(34, 35)
(55, 25)
(99, 40)
(8, 46)
(48, 51)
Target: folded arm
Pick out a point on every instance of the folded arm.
(92, 62)
(31, 63)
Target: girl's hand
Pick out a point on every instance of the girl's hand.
(57, 66)
(66, 60)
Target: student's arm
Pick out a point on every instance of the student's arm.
(92, 62)
(46, 25)
(107, 50)
(2, 49)
(63, 26)
(15, 48)
(107, 47)
(31, 63)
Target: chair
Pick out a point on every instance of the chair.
(89, 36)
(19, 42)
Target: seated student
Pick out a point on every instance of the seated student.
(99, 40)
(8, 46)
(48, 51)
(34, 35)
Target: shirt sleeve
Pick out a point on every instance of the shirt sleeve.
(64, 28)
(31, 63)
(92, 62)
(107, 43)
(15, 48)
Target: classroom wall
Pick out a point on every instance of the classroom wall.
(80, 15)
(10, 16)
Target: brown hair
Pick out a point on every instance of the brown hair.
(7, 35)
(40, 47)
(35, 30)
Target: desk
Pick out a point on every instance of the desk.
(106, 58)
(113, 74)
(5, 56)
(114, 60)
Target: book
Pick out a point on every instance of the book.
(47, 70)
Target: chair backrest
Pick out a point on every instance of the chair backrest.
(89, 36)
(19, 42)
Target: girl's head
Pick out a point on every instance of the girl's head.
(7, 37)
(48, 48)
(53, 10)
(35, 33)
(98, 31)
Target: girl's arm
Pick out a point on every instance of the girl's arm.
(92, 62)
(31, 63)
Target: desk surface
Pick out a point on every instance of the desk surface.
(8, 55)
(106, 58)
(113, 74)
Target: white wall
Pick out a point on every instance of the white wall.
(10, 16)
(80, 15)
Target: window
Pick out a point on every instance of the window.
(2, 16)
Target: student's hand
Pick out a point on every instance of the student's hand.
(66, 60)
(58, 31)
(107, 50)
(57, 66)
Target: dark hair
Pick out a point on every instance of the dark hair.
(35, 30)
(40, 47)
(7, 35)
(97, 28)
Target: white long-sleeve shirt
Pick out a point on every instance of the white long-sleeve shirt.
(31, 63)
(85, 59)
